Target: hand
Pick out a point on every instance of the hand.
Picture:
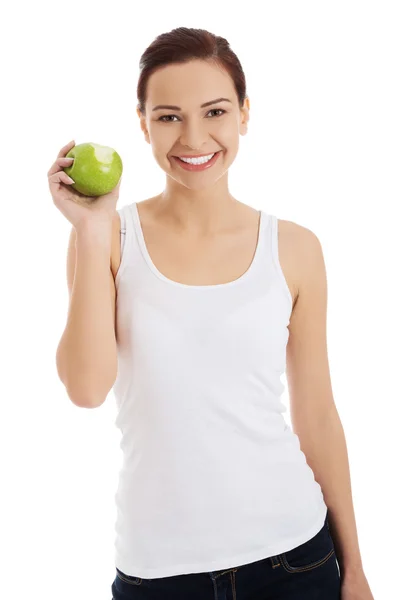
(77, 207)
(355, 587)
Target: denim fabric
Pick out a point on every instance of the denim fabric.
(308, 572)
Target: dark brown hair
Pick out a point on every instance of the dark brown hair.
(182, 45)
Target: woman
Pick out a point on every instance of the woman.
(216, 499)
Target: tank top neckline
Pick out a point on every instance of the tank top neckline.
(152, 266)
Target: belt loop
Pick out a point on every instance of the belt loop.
(275, 561)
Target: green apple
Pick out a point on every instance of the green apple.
(96, 169)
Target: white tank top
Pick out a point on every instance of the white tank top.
(212, 476)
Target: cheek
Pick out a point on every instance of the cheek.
(164, 138)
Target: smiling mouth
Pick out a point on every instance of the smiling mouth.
(200, 165)
(197, 155)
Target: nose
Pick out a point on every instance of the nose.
(194, 135)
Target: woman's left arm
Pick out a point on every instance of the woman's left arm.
(313, 411)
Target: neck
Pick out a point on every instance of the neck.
(198, 212)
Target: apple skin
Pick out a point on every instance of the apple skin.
(96, 169)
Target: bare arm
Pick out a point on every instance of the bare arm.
(313, 410)
(87, 353)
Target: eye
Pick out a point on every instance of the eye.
(218, 109)
(221, 110)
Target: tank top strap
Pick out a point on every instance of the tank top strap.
(263, 251)
(122, 229)
(274, 249)
(129, 247)
(269, 239)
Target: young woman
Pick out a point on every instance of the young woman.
(191, 305)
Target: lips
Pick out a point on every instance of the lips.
(202, 166)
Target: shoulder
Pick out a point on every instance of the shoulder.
(301, 252)
(300, 238)
(308, 250)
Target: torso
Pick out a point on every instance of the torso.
(208, 263)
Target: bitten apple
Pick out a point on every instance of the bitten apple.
(96, 169)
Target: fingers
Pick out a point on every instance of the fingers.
(60, 164)
(56, 166)
(65, 149)
(60, 177)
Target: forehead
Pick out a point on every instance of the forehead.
(188, 83)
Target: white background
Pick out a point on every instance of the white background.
(322, 150)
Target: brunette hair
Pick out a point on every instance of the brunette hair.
(183, 45)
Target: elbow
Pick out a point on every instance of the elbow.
(82, 390)
(91, 395)
(86, 400)
(86, 396)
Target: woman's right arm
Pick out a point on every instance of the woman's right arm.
(86, 356)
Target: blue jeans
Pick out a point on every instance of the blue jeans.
(308, 572)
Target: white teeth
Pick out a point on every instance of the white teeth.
(198, 161)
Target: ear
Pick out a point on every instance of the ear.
(143, 125)
(244, 116)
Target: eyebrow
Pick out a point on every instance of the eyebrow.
(173, 107)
